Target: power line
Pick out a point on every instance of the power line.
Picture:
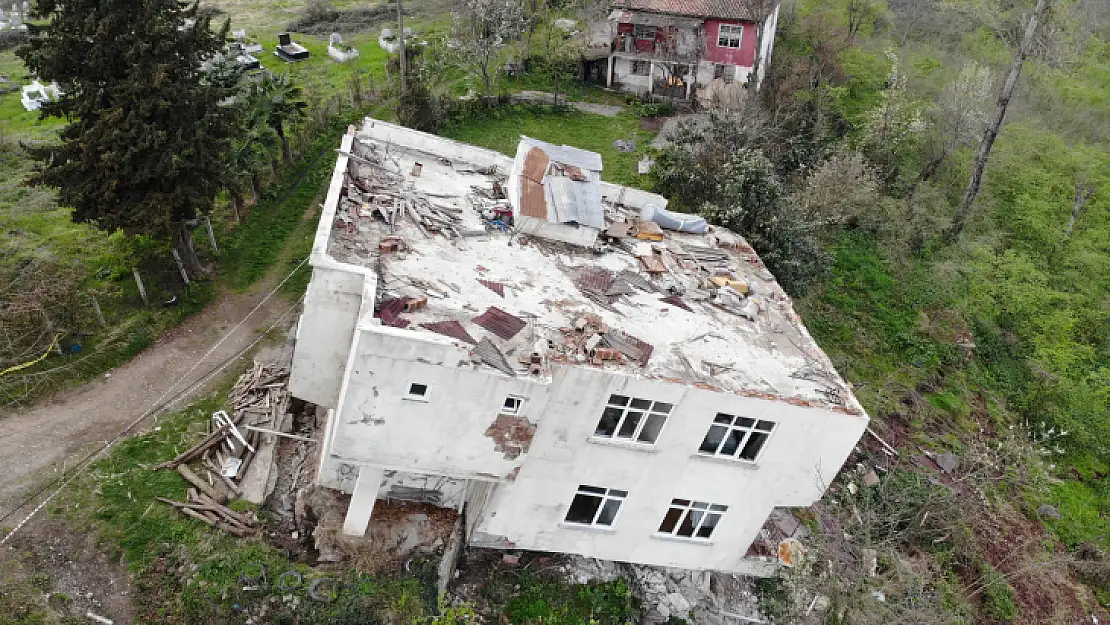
(157, 406)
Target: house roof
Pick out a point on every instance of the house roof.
(648, 306)
(750, 10)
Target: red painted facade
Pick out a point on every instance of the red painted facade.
(743, 56)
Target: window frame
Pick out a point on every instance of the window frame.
(636, 63)
(734, 31)
(626, 408)
(686, 509)
(515, 412)
(757, 427)
(604, 497)
(411, 396)
(640, 32)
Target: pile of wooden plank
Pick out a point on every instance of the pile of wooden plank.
(259, 397)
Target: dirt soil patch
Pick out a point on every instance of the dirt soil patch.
(71, 571)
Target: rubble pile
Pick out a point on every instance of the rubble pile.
(698, 597)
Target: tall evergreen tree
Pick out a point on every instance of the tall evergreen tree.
(142, 150)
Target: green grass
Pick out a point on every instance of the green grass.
(530, 599)
(500, 129)
(14, 119)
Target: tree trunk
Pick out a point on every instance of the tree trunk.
(256, 187)
(237, 205)
(183, 243)
(991, 133)
(286, 153)
(1083, 193)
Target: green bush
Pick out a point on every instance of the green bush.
(998, 595)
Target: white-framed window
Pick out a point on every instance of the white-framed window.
(738, 438)
(512, 405)
(691, 519)
(593, 505)
(417, 392)
(632, 419)
(724, 72)
(641, 68)
(729, 35)
(644, 33)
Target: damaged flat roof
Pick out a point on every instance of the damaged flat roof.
(428, 216)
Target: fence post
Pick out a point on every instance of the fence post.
(180, 266)
(211, 235)
(139, 283)
(96, 308)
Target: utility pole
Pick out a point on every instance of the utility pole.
(404, 65)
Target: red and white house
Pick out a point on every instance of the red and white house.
(668, 46)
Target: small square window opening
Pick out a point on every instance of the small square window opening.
(739, 438)
(595, 506)
(691, 519)
(512, 405)
(641, 68)
(729, 35)
(632, 419)
(417, 392)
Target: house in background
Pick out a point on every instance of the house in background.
(667, 47)
(651, 399)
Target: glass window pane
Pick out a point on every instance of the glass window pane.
(708, 525)
(765, 425)
(641, 404)
(680, 502)
(718, 508)
(628, 428)
(660, 406)
(609, 512)
(591, 489)
(713, 439)
(745, 422)
(753, 445)
(652, 428)
(698, 505)
(670, 520)
(608, 424)
(583, 509)
(618, 400)
(617, 493)
(686, 528)
(418, 389)
(732, 443)
(723, 418)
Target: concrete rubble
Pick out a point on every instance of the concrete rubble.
(702, 597)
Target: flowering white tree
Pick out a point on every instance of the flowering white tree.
(483, 29)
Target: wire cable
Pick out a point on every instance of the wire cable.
(157, 406)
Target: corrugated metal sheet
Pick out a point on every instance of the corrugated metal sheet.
(566, 154)
(595, 279)
(533, 202)
(675, 300)
(576, 202)
(501, 323)
(488, 353)
(496, 287)
(630, 346)
(390, 313)
(636, 280)
(453, 329)
(535, 164)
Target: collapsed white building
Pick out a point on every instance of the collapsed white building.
(509, 339)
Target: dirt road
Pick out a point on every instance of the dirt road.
(37, 442)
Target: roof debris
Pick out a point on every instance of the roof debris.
(430, 238)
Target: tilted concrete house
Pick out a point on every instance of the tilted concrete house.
(649, 398)
(667, 46)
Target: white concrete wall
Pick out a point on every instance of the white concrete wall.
(767, 37)
(707, 70)
(324, 334)
(801, 457)
(446, 434)
(625, 79)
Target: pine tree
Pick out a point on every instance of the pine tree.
(142, 150)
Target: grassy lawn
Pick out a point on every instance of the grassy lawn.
(500, 130)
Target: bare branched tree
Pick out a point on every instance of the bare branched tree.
(483, 29)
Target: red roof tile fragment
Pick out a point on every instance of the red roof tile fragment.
(453, 329)
(496, 287)
(501, 323)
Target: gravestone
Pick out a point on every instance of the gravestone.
(335, 39)
(284, 39)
